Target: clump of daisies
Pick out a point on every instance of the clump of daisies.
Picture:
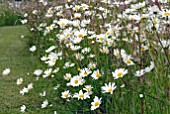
(92, 51)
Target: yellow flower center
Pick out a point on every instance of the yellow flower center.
(117, 54)
(128, 61)
(85, 73)
(76, 81)
(81, 95)
(62, 24)
(80, 35)
(110, 90)
(167, 14)
(101, 38)
(98, 75)
(66, 95)
(104, 50)
(96, 104)
(88, 88)
(120, 74)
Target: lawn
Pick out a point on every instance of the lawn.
(15, 55)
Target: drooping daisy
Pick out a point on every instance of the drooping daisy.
(66, 94)
(118, 73)
(96, 74)
(96, 103)
(81, 95)
(108, 88)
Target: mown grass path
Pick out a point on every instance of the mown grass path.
(14, 54)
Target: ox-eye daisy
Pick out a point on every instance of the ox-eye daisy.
(81, 95)
(66, 94)
(76, 81)
(118, 73)
(85, 72)
(109, 88)
(96, 74)
(96, 103)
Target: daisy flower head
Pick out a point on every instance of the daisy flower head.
(92, 65)
(66, 94)
(23, 108)
(109, 88)
(84, 6)
(47, 73)
(127, 60)
(85, 72)
(67, 76)
(104, 50)
(96, 103)
(81, 95)
(119, 73)
(44, 104)
(19, 81)
(96, 74)
(6, 72)
(38, 72)
(77, 15)
(88, 88)
(81, 33)
(63, 22)
(33, 48)
(76, 81)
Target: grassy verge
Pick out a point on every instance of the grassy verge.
(16, 56)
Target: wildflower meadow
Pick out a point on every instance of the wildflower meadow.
(91, 57)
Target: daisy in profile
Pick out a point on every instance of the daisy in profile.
(96, 74)
(108, 88)
(81, 95)
(119, 73)
(66, 94)
(96, 103)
